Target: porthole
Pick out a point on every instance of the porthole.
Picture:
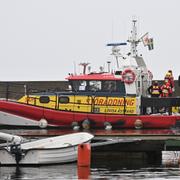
(63, 99)
(44, 99)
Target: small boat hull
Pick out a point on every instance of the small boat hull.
(170, 158)
(52, 150)
(41, 156)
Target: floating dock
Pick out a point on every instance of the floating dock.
(121, 146)
(118, 140)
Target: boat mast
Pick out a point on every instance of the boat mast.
(133, 39)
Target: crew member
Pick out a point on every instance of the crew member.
(170, 78)
(166, 89)
(154, 90)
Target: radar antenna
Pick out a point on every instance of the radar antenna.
(116, 51)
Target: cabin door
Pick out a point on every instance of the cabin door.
(81, 108)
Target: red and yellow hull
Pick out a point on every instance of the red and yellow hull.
(66, 118)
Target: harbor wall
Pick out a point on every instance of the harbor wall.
(16, 89)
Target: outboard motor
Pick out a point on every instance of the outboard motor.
(14, 144)
(17, 151)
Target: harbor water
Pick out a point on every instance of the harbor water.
(101, 167)
(70, 171)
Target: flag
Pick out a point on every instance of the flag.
(145, 39)
(150, 44)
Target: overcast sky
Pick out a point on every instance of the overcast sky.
(43, 39)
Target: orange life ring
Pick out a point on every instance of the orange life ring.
(128, 76)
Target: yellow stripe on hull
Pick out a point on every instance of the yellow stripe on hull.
(109, 105)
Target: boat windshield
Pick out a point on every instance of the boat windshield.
(98, 86)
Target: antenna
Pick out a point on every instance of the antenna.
(84, 67)
(133, 39)
(74, 67)
(109, 63)
(112, 30)
(89, 69)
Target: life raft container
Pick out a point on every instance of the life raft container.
(128, 76)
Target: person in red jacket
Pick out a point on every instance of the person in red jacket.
(170, 78)
(166, 89)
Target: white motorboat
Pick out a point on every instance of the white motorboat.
(170, 158)
(52, 150)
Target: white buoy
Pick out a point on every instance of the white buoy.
(86, 124)
(43, 123)
(75, 126)
(138, 124)
(108, 126)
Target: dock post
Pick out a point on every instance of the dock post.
(84, 160)
(84, 154)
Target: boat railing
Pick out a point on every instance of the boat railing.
(159, 105)
(12, 90)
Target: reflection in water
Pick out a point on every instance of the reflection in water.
(11, 173)
(68, 171)
(143, 173)
(107, 170)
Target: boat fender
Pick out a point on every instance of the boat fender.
(75, 126)
(43, 123)
(107, 125)
(128, 76)
(138, 124)
(86, 124)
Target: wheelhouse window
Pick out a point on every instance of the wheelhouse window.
(113, 86)
(82, 86)
(95, 85)
(109, 86)
(79, 85)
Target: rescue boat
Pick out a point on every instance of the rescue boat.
(116, 98)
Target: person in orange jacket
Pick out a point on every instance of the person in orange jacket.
(170, 78)
(166, 89)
